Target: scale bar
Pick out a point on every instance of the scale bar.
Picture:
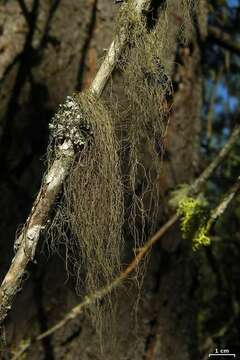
(234, 355)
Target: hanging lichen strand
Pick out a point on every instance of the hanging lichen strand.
(90, 216)
(102, 192)
(146, 67)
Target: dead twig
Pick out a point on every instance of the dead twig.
(223, 205)
(223, 39)
(197, 185)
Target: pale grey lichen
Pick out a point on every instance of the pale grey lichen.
(69, 124)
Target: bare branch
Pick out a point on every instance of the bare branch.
(223, 39)
(223, 205)
(52, 184)
(196, 187)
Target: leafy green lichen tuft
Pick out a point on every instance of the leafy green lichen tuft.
(202, 238)
(194, 214)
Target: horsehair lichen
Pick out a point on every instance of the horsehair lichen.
(186, 10)
(90, 219)
(146, 66)
(91, 215)
(194, 214)
(146, 84)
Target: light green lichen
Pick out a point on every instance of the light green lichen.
(194, 214)
(202, 238)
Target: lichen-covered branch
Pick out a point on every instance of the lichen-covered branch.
(196, 187)
(52, 182)
(202, 236)
(114, 52)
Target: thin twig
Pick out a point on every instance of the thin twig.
(223, 205)
(196, 187)
(224, 39)
(52, 184)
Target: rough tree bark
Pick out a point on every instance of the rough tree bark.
(69, 33)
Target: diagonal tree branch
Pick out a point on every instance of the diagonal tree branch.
(221, 208)
(223, 39)
(194, 189)
(200, 181)
(52, 184)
